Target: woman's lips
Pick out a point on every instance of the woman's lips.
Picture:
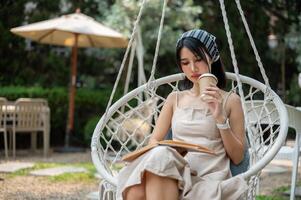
(195, 75)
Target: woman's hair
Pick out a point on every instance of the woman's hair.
(199, 50)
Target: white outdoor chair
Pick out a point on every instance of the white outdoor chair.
(31, 116)
(265, 138)
(294, 116)
(285, 152)
(3, 122)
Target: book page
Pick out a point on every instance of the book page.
(180, 146)
(135, 154)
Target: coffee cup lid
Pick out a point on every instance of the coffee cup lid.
(208, 75)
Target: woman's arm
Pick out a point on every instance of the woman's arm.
(164, 120)
(234, 137)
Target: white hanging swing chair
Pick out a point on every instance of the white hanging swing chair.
(266, 117)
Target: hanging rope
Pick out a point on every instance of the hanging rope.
(260, 65)
(234, 61)
(258, 59)
(129, 70)
(140, 54)
(125, 58)
(130, 67)
(152, 75)
(236, 70)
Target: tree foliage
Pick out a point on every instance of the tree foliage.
(123, 14)
(264, 18)
(285, 23)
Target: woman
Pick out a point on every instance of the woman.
(216, 122)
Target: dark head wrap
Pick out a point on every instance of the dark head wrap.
(204, 37)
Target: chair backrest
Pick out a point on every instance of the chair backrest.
(107, 149)
(294, 114)
(41, 101)
(28, 114)
(3, 103)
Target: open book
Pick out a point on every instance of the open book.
(179, 145)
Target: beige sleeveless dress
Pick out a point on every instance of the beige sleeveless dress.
(200, 175)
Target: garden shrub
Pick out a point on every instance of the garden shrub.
(89, 128)
(88, 103)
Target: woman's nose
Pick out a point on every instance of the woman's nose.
(193, 67)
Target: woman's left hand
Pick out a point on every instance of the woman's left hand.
(213, 97)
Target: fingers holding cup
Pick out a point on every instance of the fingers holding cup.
(206, 81)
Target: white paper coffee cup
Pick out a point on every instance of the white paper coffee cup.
(206, 80)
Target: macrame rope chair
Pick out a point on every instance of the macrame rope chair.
(265, 122)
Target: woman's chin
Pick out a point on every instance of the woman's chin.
(193, 79)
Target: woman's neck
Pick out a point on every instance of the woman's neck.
(195, 90)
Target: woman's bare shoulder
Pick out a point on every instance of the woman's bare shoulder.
(234, 100)
(172, 97)
(234, 97)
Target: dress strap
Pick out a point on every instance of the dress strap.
(177, 99)
(226, 98)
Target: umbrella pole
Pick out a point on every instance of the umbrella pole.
(72, 92)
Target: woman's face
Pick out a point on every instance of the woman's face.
(193, 66)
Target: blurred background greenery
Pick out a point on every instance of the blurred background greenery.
(30, 69)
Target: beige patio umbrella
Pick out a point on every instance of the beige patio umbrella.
(73, 30)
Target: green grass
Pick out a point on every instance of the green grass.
(277, 194)
(117, 166)
(73, 177)
(264, 197)
(67, 177)
(281, 189)
(25, 172)
(83, 177)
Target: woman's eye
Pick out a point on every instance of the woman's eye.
(184, 63)
(199, 60)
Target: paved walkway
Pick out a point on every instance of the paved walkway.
(275, 175)
(16, 187)
(10, 167)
